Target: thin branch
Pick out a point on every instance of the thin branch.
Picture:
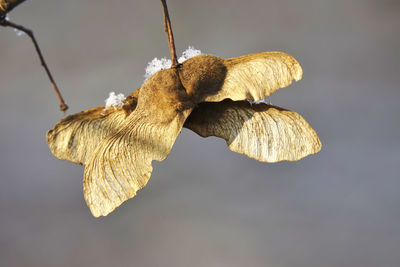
(7, 23)
(168, 31)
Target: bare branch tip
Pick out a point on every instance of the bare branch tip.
(63, 107)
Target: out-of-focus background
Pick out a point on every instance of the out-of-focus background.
(205, 205)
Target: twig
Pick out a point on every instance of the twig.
(168, 31)
(7, 23)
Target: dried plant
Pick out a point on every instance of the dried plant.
(206, 94)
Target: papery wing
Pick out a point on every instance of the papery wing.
(260, 131)
(75, 137)
(256, 76)
(121, 164)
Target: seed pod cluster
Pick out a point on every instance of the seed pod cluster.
(205, 94)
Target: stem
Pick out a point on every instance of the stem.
(168, 31)
(7, 23)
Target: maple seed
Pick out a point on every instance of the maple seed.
(206, 94)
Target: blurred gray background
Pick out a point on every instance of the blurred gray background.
(205, 205)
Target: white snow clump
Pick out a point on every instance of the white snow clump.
(115, 101)
(266, 100)
(156, 65)
(18, 32)
(188, 53)
(160, 64)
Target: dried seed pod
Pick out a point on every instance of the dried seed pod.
(117, 147)
(121, 163)
(202, 76)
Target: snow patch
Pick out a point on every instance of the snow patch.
(115, 101)
(161, 64)
(265, 101)
(188, 53)
(18, 32)
(156, 65)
